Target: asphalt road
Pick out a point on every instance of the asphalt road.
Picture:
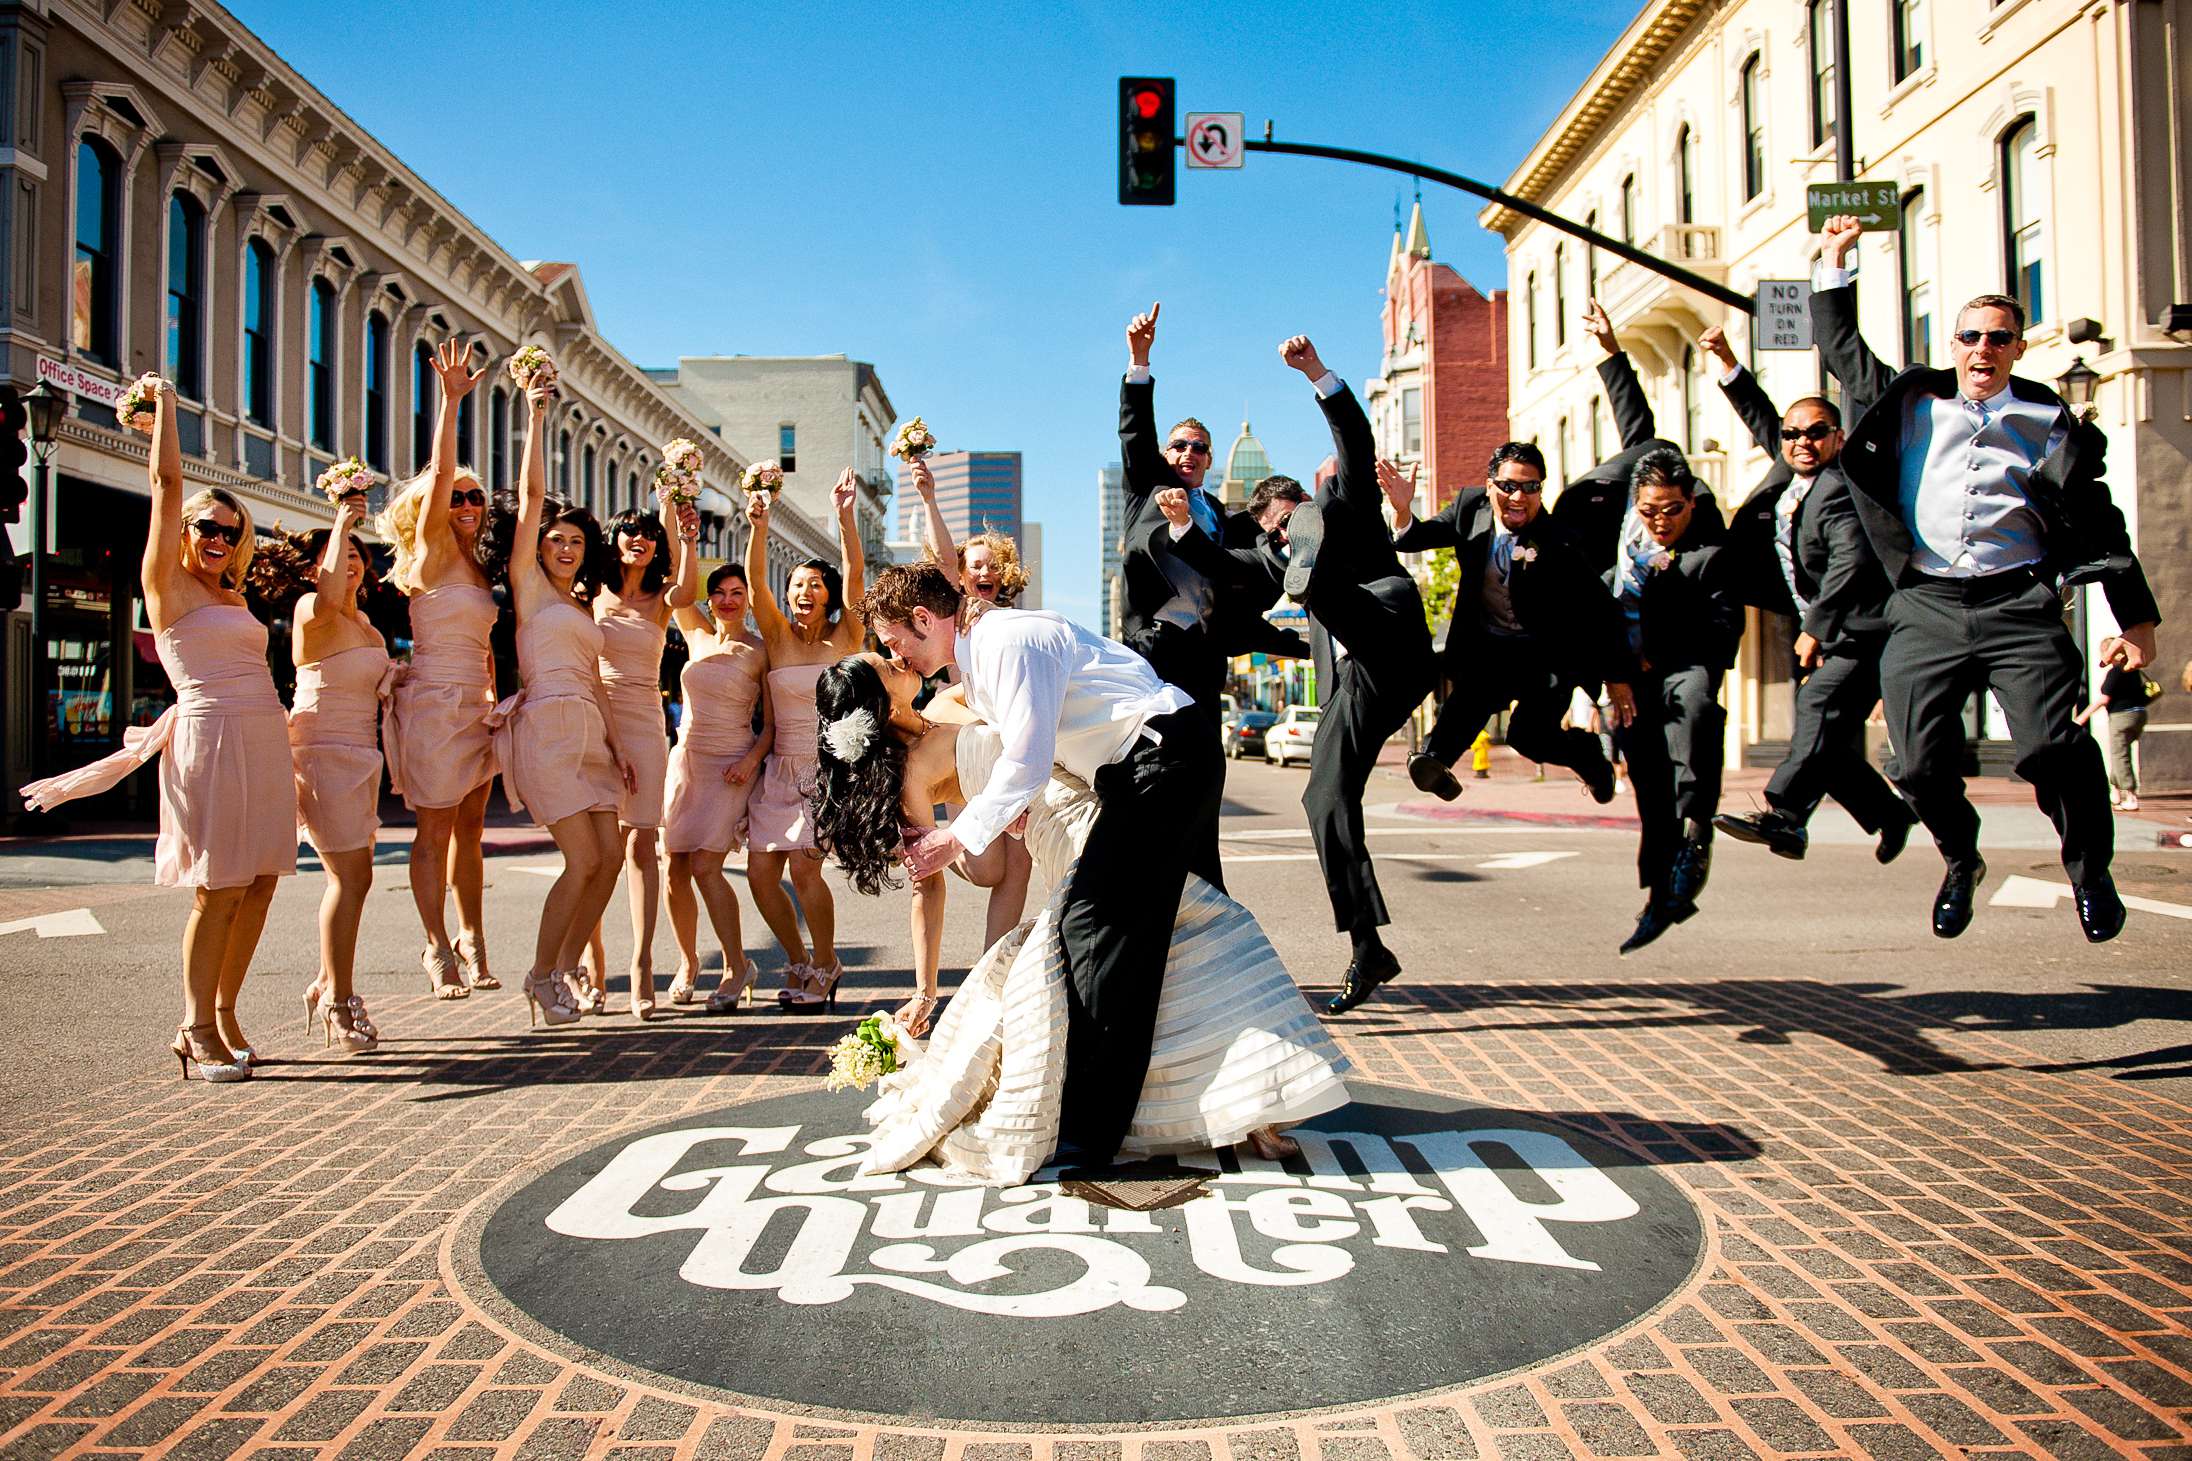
(1501, 912)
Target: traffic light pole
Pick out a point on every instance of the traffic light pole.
(1643, 260)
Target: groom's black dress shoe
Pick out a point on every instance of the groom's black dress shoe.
(1660, 914)
(2100, 911)
(1431, 774)
(1893, 838)
(1952, 905)
(1777, 831)
(1304, 536)
(1361, 979)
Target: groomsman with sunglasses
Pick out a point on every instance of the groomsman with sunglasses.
(1799, 551)
(1981, 493)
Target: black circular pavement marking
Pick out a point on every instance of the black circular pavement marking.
(1417, 1245)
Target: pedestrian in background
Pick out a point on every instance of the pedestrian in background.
(2124, 695)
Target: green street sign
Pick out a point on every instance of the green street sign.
(1878, 207)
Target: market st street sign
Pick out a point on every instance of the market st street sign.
(1877, 207)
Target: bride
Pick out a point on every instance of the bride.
(1237, 1053)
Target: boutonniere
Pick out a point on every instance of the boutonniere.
(1660, 562)
(1525, 554)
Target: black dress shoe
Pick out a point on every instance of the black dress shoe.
(1686, 879)
(1952, 905)
(1893, 838)
(1431, 774)
(2100, 911)
(1599, 777)
(1778, 832)
(1658, 916)
(1304, 536)
(1357, 984)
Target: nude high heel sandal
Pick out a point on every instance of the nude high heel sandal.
(191, 1045)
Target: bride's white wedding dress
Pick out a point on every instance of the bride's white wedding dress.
(1237, 1047)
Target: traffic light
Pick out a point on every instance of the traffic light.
(14, 454)
(1145, 140)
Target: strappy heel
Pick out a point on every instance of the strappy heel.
(548, 998)
(681, 987)
(239, 1047)
(314, 992)
(189, 1046)
(729, 997)
(345, 1021)
(471, 951)
(798, 980)
(820, 993)
(643, 996)
(442, 979)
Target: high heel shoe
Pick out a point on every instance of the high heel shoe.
(1271, 1144)
(191, 1045)
(728, 996)
(798, 980)
(681, 986)
(345, 1021)
(314, 993)
(548, 997)
(820, 993)
(586, 999)
(471, 951)
(239, 1047)
(442, 978)
(643, 996)
(916, 1014)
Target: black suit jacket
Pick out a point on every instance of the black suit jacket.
(1689, 616)
(2083, 537)
(1592, 503)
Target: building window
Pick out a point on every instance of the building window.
(1411, 421)
(498, 439)
(2025, 244)
(98, 217)
(1560, 451)
(1907, 27)
(1692, 404)
(787, 446)
(1590, 258)
(185, 360)
(1628, 209)
(1916, 282)
(1685, 178)
(563, 466)
(465, 419)
(1819, 41)
(1560, 295)
(376, 391)
(1529, 323)
(259, 270)
(320, 365)
(1754, 133)
(1598, 443)
(586, 480)
(422, 405)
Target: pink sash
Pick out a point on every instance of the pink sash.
(140, 743)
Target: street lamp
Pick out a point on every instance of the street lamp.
(2076, 385)
(44, 406)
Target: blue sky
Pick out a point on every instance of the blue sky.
(934, 191)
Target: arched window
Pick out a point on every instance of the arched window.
(1907, 33)
(1685, 178)
(1916, 282)
(376, 391)
(1819, 46)
(2024, 239)
(1560, 295)
(498, 439)
(320, 352)
(631, 486)
(1560, 451)
(465, 418)
(1628, 209)
(98, 221)
(1754, 132)
(185, 354)
(1529, 324)
(259, 271)
(424, 399)
(586, 480)
(563, 466)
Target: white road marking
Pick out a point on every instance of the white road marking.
(1505, 860)
(541, 870)
(1519, 830)
(1525, 859)
(74, 923)
(2017, 891)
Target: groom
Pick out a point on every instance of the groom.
(1058, 694)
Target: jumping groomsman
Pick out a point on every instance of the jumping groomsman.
(1334, 555)
(1982, 496)
(1531, 622)
(1801, 552)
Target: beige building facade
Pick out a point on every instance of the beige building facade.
(2038, 146)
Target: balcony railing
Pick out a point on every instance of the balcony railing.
(1634, 295)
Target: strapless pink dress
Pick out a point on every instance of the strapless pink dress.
(631, 670)
(334, 743)
(228, 803)
(707, 813)
(551, 738)
(777, 817)
(438, 712)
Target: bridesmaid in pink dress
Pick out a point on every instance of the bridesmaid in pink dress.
(561, 755)
(823, 626)
(228, 809)
(634, 615)
(334, 741)
(439, 712)
(712, 774)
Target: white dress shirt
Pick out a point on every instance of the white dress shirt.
(1057, 694)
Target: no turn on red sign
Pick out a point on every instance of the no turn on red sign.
(1214, 139)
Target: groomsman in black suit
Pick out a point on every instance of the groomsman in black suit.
(1531, 622)
(1682, 629)
(1982, 496)
(1799, 551)
(1333, 554)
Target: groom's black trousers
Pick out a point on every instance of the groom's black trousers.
(1155, 807)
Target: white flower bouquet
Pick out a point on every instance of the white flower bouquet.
(345, 477)
(865, 1056)
(762, 477)
(914, 441)
(531, 367)
(139, 406)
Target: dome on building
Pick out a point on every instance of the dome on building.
(1245, 466)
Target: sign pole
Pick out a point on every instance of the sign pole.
(1845, 146)
(40, 488)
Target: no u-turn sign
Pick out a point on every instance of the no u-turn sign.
(1214, 139)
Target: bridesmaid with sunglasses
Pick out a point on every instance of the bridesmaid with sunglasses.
(228, 805)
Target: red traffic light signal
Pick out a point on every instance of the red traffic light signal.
(1146, 140)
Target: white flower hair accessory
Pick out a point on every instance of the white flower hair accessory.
(849, 736)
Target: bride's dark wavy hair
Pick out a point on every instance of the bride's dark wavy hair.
(496, 539)
(856, 803)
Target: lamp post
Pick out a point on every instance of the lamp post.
(2076, 386)
(45, 407)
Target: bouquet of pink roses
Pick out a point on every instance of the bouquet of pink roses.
(762, 477)
(140, 404)
(914, 441)
(671, 485)
(344, 478)
(531, 367)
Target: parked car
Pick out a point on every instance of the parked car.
(1243, 734)
(1290, 738)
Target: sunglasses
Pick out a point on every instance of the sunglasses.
(1193, 448)
(470, 497)
(1999, 339)
(1662, 514)
(1518, 485)
(1817, 431)
(206, 527)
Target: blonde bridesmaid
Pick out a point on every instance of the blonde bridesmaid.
(228, 806)
(441, 754)
(712, 773)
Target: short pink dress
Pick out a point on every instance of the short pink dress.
(228, 803)
(631, 670)
(553, 743)
(438, 712)
(707, 813)
(777, 818)
(334, 743)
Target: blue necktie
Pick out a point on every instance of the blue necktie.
(1201, 513)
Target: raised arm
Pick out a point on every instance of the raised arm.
(940, 540)
(163, 564)
(845, 495)
(683, 526)
(527, 582)
(1142, 460)
(1624, 392)
(1355, 482)
(1753, 407)
(323, 604)
(1863, 374)
(768, 618)
(453, 366)
(1423, 534)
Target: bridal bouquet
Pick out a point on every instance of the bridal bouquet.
(530, 367)
(762, 477)
(678, 478)
(345, 477)
(866, 1055)
(140, 404)
(914, 442)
